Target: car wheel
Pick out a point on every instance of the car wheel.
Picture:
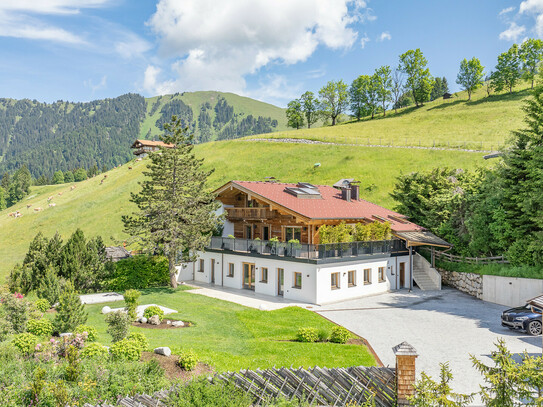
(534, 328)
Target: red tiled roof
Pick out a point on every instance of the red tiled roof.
(331, 206)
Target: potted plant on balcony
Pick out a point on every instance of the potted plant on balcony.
(295, 247)
(228, 243)
(271, 245)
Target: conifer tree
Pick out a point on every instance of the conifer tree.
(70, 310)
(176, 210)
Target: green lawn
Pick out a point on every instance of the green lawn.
(232, 337)
(97, 208)
(483, 123)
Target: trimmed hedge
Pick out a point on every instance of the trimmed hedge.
(138, 272)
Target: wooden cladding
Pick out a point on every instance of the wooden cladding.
(249, 213)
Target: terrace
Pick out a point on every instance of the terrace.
(310, 253)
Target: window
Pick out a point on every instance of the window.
(201, 269)
(293, 233)
(249, 232)
(381, 274)
(230, 270)
(264, 275)
(297, 280)
(334, 283)
(367, 276)
(352, 278)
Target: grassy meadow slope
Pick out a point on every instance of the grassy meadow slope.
(97, 208)
(483, 123)
(241, 104)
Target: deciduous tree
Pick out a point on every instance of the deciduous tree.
(310, 108)
(383, 80)
(507, 73)
(531, 55)
(397, 87)
(470, 76)
(175, 209)
(295, 115)
(419, 81)
(357, 99)
(334, 99)
(58, 177)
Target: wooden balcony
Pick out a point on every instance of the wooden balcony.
(249, 213)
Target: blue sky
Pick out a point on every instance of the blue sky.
(272, 50)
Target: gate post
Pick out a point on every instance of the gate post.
(405, 372)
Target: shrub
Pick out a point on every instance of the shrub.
(339, 335)
(126, 349)
(73, 369)
(153, 310)
(5, 329)
(42, 304)
(50, 286)
(25, 342)
(307, 335)
(187, 360)
(201, 392)
(141, 271)
(131, 301)
(140, 339)
(118, 323)
(40, 327)
(92, 333)
(94, 350)
(70, 310)
(323, 335)
(16, 312)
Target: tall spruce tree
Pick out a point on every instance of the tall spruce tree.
(176, 210)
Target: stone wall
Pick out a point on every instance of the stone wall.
(469, 283)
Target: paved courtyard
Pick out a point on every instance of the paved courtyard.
(442, 325)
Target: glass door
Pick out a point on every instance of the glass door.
(280, 281)
(249, 276)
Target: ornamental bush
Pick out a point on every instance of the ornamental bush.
(40, 327)
(70, 310)
(131, 301)
(16, 311)
(126, 349)
(140, 339)
(42, 305)
(92, 333)
(187, 360)
(339, 335)
(138, 272)
(153, 310)
(94, 350)
(25, 342)
(307, 335)
(118, 323)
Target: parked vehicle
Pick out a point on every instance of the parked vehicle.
(526, 318)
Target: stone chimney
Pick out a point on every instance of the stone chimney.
(405, 372)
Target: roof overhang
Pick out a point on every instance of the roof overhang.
(536, 302)
(422, 238)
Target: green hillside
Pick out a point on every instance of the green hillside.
(484, 123)
(97, 208)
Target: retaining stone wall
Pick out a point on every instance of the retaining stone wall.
(469, 283)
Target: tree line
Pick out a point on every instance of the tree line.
(411, 83)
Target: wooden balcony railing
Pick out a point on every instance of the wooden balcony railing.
(249, 213)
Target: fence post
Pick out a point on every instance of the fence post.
(405, 372)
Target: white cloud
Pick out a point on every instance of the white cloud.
(238, 37)
(94, 87)
(513, 33)
(316, 73)
(276, 89)
(384, 36)
(129, 45)
(506, 11)
(531, 6)
(364, 40)
(50, 6)
(26, 27)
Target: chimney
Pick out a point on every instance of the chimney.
(355, 192)
(346, 194)
(405, 372)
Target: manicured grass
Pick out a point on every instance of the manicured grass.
(231, 337)
(97, 208)
(483, 123)
(502, 270)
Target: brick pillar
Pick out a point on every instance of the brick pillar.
(405, 372)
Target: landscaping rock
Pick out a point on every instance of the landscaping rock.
(62, 335)
(178, 323)
(106, 310)
(168, 322)
(154, 320)
(143, 320)
(164, 350)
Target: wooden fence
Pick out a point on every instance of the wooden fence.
(469, 260)
(336, 387)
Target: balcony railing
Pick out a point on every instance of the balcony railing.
(249, 213)
(320, 253)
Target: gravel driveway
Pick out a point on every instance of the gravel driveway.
(445, 325)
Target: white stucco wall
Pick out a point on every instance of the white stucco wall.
(316, 278)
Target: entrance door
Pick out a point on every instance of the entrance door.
(265, 233)
(212, 271)
(402, 275)
(248, 232)
(280, 281)
(249, 276)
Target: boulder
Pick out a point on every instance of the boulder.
(178, 323)
(154, 320)
(164, 351)
(143, 320)
(62, 335)
(168, 322)
(106, 309)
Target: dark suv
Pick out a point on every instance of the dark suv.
(526, 318)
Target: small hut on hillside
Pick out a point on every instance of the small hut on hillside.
(447, 95)
(116, 253)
